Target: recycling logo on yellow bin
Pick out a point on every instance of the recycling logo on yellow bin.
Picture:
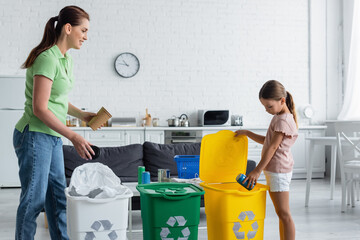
(165, 233)
(239, 229)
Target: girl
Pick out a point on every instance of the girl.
(276, 158)
(37, 135)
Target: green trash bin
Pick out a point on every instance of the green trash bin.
(170, 210)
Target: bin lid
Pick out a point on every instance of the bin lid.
(222, 157)
(171, 189)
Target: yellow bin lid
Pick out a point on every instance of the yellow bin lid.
(222, 157)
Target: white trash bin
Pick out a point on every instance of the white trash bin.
(91, 218)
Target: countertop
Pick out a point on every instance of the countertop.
(166, 128)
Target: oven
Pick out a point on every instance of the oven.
(182, 136)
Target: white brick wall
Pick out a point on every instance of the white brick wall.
(193, 53)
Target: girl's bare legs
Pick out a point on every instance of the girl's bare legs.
(282, 208)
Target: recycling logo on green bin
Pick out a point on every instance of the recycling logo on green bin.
(237, 228)
(165, 233)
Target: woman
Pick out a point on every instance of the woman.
(37, 135)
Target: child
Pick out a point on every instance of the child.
(276, 158)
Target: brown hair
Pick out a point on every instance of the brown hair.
(274, 90)
(70, 14)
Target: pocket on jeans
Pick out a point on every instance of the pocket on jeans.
(19, 137)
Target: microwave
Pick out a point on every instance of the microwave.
(214, 118)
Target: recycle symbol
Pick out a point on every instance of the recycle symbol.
(237, 226)
(106, 224)
(171, 222)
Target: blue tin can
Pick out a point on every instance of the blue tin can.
(240, 178)
(145, 177)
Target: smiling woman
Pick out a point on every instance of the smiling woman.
(37, 142)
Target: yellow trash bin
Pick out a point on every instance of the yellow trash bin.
(232, 212)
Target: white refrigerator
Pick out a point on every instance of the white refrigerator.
(12, 99)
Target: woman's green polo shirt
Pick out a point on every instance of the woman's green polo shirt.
(53, 65)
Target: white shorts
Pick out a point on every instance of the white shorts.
(278, 182)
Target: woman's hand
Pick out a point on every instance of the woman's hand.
(87, 116)
(241, 132)
(252, 177)
(82, 146)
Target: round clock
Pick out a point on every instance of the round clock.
(127, 65)
(308, 112)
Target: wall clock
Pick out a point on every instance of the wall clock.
(127, 65)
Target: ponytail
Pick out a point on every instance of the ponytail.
(291, 106)
(70, 14)
(49, 39)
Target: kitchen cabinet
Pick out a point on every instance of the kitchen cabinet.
(254, 148)
(155, 136)
(300, 152)
(68, 142)
(110, 137)
(134, 136)
(106, 138)
(318, 154)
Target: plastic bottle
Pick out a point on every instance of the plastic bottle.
(240, 178)
(141, 169)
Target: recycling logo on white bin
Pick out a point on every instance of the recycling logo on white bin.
(237, 226)
(106, 224)
(165, 232)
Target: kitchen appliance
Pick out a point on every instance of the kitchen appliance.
(236, 120)
(184, 120)
(214, 118)
(12, 99)
(173, 136)
(174, 121)
(123, 122)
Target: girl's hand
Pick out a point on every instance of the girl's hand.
(241, 132)
(252, 177)
(82, 146)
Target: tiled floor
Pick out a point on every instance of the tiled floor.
(321, 220)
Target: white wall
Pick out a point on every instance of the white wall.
(334, 58)
(193, 54)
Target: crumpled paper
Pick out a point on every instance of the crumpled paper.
(195, 181)
(95, 180)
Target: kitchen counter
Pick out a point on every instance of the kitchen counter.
(166, 128)
(227, 128)
(109, 128)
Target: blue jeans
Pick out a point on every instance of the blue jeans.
(42, 177)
